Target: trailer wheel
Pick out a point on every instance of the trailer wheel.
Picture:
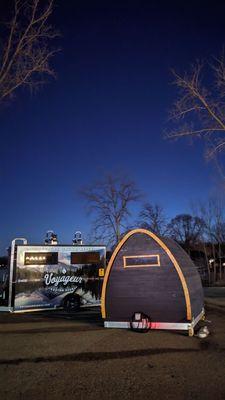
(71, 303)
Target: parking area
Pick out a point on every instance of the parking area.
(54, 355)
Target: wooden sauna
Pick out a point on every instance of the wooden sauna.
(153, 277)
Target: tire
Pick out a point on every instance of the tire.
(71, 303)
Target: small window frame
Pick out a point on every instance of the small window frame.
(157, 264)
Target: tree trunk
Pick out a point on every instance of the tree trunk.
(207, 263)
(214, 264)
(220, 263)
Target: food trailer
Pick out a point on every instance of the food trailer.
(151, 283)
(51, 276)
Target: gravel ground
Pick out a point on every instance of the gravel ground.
(59, 356)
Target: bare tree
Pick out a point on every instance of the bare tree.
(186, 229)
(213, 213)
(152, 217)
(109, 201)
(200, 108)
(25, 52)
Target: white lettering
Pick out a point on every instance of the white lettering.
(50, 279)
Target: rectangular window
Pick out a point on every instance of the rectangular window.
(40, 258)
(91, 257)
(141, 261)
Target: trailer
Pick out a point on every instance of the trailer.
(50, 276)
(151, 283)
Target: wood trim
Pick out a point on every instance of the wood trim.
(141, 265)
(170, 255)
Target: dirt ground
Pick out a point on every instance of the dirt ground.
(54, 355)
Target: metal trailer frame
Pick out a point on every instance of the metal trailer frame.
(11, 272)
(182, 326)
(12, 269)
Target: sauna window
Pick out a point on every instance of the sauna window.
(41, 258)
(141, 261)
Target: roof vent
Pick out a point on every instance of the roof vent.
(77, 240)
(51, 238)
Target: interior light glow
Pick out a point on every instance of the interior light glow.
(37, 258)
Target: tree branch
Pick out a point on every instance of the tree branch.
(27, 52)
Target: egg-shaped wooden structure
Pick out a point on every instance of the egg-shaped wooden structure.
(155, 277)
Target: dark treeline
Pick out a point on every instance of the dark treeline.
(201, 233)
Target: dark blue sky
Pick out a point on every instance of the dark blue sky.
(106, 111)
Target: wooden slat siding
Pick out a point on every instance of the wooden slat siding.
(156, 291)
(194, 286)
(191, 275)
(154, 306)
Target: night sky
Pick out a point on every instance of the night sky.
(106, 112)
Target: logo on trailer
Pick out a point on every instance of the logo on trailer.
(52, 279)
